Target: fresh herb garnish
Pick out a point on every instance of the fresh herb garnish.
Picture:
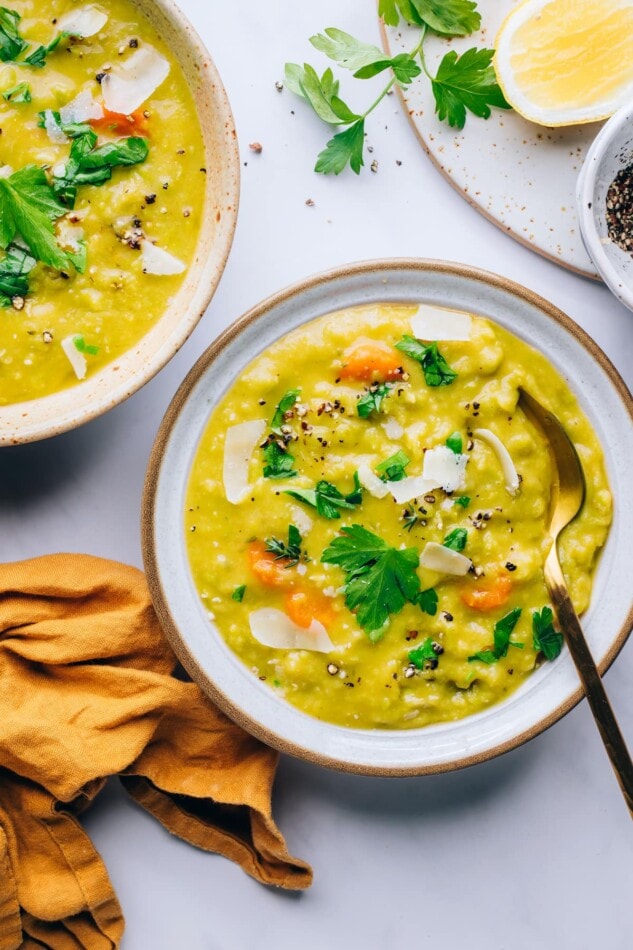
(437, 372)
(29, 207)
(373, 399)
(455, 443)
(291, 552)
(410, 518)
(285, 405)
(546, 639)
(278, 462)
(37, 58)
(72, 129)
(19, 93)
(327, 499)
(15, 267)
(456, 539)
(463, 502)
(380, 579)
(238, 593)
(427, 601)
(83, 347)
(393, 468)
(89, 165)
(502, 631)
(11, 43)
(461, 83)
(423, 656)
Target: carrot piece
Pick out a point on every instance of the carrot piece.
(121, 124)
(489, 596)
(271, 571)
(303, 607)
(371, 360)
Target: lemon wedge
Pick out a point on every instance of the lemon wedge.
(566, 62)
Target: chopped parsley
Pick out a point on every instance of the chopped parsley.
(456, 539)
(436, 370)
(424, 656)
(15, 267)
(11, 43)
(278, 462)
(84, 347)
(380, 579)
(427, 601)
(546, 639)
(19, 93)
(29, 207)
(327, 499)
(502, 632)
(290, 551)
(393, 468)
(455, 443)
(88, 164)
(373, 399)
(37, 58)
(463, 502)
(238, 593)
(285, 405)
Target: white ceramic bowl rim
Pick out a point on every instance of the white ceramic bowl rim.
(119, 379)
(611, 150)
(552, 690)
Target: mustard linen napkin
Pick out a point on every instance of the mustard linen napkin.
(87, 691)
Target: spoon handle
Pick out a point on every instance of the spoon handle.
(590, 677)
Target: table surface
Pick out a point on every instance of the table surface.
(531, 849)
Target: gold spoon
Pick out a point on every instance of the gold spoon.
(567, 498)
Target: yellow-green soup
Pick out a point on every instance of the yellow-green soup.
(465, 640)
(104, 310)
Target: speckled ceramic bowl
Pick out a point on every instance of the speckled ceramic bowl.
(50, 415)
(553, 689)
(612, 151)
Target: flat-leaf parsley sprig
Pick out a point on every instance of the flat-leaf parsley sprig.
(461, 83)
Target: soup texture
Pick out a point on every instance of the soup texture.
(102, 166)
(366, 516)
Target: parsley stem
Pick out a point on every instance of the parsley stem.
(422, 58)
(414, 52)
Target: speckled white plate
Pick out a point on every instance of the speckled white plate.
(519, 175)
(553, 689)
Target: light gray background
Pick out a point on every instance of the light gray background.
(530, 850)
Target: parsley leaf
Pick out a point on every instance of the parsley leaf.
(72, 129)
(14, 270)
(83, 347)
(427, 601)
(393, 468)
(238, 593)
(455, 443)
(290, 551)
(346, 49)
(463, 502)
(327, 499)
(320, 93)
(37, 58)
(405, 69)
(19, 93)
(451, 17)
(87, 165)
(373, 399)
(423, 655)
(345, 147)
(466, 82)
(380, 579)
(437, 372)
(546, 639)
(456, 539)
(286, 403)
(279, 463)
(11, 43)
(28, 207)
(391, 10)
(502, 632)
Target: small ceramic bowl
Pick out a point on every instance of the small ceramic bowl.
(58, 412)
(553, 689)
(611, 151)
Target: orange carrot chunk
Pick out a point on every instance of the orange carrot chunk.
(371, 360)
(490, 596)
(303, 607)
(271, 571)
(132, 124)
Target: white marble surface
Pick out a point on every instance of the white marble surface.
(530, 850)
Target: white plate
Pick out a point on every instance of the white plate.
(519, 175)
(549, 692)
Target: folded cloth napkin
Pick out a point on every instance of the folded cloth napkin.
(86, 691)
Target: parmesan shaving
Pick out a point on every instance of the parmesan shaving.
(437, 557)
(76, 359)
(438, 323)
(80, 109)
(239, 446)
(409, 488)
(128, 85)
(445, 467)
(369, 480)
(158, 261)
(510, 474)
(273, 628)
(51, 125)
(86, 21)
(70, 235)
